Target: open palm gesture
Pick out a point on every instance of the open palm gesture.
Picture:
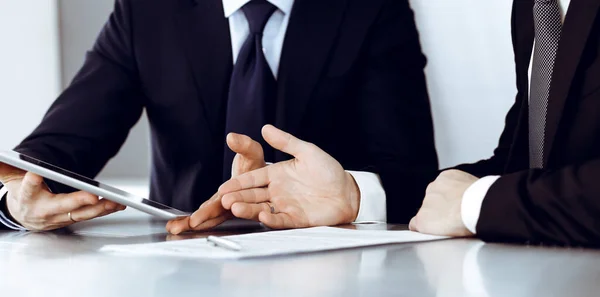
(310, 190)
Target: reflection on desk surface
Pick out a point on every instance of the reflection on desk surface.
(65, 262)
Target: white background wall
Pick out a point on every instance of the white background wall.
(29, 66)
(470, 71)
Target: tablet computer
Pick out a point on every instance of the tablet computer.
(91, 186)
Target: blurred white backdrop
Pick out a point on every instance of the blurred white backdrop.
(471, 75)
(29, 66)
(467, 42)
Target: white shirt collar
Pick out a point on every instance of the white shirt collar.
(231, 6)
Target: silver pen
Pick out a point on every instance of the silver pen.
(224, 243)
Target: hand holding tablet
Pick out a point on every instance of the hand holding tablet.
(48, 213)
(31, 206)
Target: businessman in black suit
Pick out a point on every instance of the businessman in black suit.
(346, 75)
(541, 184)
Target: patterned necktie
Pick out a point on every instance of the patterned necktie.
(253, 88)
(548, 27)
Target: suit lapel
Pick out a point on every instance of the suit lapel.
(206, 38)
(309, 39)
(576, 30)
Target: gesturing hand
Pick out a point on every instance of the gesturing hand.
(33, 206)
(249, 156)
(441, 210)
(310, 190)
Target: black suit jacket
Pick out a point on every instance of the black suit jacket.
(560, 204)
(351, 81)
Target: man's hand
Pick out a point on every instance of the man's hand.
(310, 190)
(441, 210)
(33, 206)
(249, 156)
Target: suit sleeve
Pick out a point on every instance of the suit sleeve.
(396, 114)
(89, 122)
(544, 206)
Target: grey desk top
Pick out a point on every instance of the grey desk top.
(67, 263)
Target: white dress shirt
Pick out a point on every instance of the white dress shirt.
(474, 195)
(373, 199)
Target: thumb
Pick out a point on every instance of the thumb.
(31, 185)
(284, 141)
(245, 146)
(412, 226)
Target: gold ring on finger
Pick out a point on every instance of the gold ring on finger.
(71, 218)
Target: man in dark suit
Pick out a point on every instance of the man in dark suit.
(346, 75)
(541, 184)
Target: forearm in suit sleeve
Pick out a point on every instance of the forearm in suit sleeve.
(550, 206)
(396, 115)
(88, 123)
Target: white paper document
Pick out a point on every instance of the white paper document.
(273, 243)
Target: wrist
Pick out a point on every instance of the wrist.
(472, 201)
(354, 196)
(4, 202)
(5, 217)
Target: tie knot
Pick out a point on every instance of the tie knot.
(258, 13)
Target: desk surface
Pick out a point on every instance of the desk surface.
(68, 263)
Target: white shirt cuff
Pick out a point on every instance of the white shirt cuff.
(372, 207)
(4, 219)
(473, 199)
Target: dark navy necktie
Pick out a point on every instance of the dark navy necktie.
(253, 88)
